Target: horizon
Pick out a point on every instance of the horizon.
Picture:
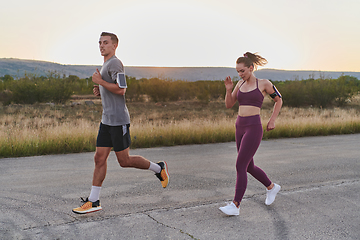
(193, 33)
(260, 68)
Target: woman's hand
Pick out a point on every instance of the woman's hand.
(228, 84)
(270, 126)
(230, 97)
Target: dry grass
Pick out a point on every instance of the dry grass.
(48, 129)
(44, 136)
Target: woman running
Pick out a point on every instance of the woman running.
(250, 93)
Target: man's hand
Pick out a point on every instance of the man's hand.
(96, 77)
(112, 87)
(96, 90)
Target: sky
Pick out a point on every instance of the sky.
(320, 35)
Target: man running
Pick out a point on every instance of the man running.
(114, 129)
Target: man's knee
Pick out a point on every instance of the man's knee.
(124, 161)
(123, 158)
(99, 159)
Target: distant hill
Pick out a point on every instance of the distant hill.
(18, 68)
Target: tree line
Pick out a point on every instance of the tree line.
(42, 89)
(319, 92)
(59, 89)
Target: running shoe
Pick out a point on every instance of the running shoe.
(87, 207)
(163, 175)
(271, 194)
(230, 209)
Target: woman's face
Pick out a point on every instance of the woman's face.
(243, 71)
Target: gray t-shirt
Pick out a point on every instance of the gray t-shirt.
(115, 112)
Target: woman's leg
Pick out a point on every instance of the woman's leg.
(249, 144)
(258, 174)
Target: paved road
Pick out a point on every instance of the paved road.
(320, 179)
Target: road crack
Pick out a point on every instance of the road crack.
(168, 226)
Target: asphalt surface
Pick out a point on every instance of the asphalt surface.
(320, 196)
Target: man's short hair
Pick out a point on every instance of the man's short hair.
(113, 37)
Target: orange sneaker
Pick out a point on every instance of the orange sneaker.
(88, 207)
(163, 175)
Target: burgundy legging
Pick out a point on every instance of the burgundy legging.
(248, 136)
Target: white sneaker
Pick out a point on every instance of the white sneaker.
(230, 209)
(271, 194)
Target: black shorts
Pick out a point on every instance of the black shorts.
(112, 136)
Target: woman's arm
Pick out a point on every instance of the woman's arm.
(269, 89)
(276, 111)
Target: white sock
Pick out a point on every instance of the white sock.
(155, 167)
(94, 194)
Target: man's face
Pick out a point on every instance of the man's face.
(106, 46)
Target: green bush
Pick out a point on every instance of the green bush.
(81, 86)
(29, 90)
(25, 91)
(134, 91)
(53, 88)
(169, 90)
(311, 92)
(318, 92)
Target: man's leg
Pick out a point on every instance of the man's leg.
(160, 168)
(92, 203)
(100, 159)
(125, 160)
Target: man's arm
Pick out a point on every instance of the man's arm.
(112, 87)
